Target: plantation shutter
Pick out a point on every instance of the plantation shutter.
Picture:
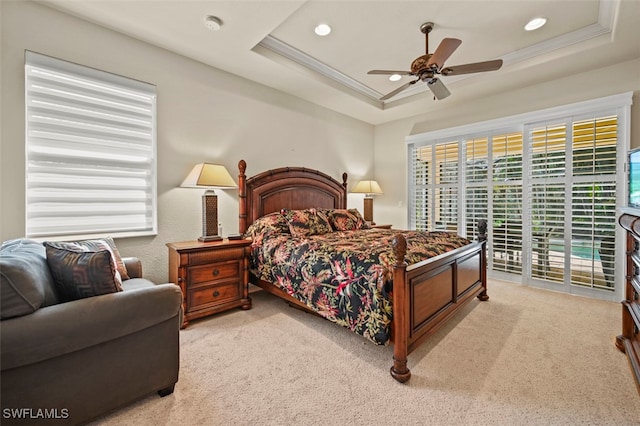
(421, 159)
(507, 202)
(548, 183)
(477, 180)
(90, 151)
(446, 190)
(547, 174)
(593, 192)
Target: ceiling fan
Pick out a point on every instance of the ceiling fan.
(427, 67)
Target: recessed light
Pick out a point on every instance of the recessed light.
(395, 77)
(535, 23)
(213, 23)
(323, 30)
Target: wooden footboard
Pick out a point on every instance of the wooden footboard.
(427, 294)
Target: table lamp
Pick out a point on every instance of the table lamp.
(210, 176)
(369, 188)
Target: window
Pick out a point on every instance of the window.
(548, 183)
(446, 187)
(476, 179)
(593, 188)
(506, 202)
(90, 151)
(421, 175)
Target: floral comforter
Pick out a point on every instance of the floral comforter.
(345, 276)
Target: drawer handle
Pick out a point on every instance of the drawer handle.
(216, 272)
(216, 293)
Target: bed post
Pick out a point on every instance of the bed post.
(482, 230)
(344, 185)
(399, 370)
(482, 237)
(242, 195)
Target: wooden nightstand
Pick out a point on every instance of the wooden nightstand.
(213, 276)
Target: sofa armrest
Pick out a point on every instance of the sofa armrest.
(71, 326)
(134, 266)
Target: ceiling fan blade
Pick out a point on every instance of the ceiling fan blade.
(438, 88)
(445, 49)
(389, 72)
(398, 90)
(471, 68)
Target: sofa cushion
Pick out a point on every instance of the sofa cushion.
(80, 272)
(25, 281)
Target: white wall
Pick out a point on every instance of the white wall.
(203, 114)
(390, 147)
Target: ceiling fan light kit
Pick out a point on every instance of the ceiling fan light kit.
(428, 66)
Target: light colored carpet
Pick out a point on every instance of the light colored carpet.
(525, 357)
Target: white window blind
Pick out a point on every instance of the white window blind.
(476, 179)
(506, 247)
(445, 205)
(593, 219)
(90, 151)
(547, 187)
(421, 160)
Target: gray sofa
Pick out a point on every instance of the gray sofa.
(69, 362)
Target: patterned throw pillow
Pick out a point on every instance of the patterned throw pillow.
(272, 223)
(95, 245)
(347, 220)
(308, 222)
(80, 272)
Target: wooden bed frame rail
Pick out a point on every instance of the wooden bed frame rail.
(425, 294)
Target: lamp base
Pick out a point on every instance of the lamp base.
(206, 238)
(209, 217)
(368, 209)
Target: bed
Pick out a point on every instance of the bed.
(412, 297)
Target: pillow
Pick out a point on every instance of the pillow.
(103, 244)
(91, 244)
(80, 272)
(308, 222)
(272, 223)
(347, 220)
(25, 281)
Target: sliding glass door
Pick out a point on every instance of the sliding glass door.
(548, 189)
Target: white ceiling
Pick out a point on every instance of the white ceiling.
(580, 35)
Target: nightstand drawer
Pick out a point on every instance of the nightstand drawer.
(214, 272)
(213, 295)
(206, 257)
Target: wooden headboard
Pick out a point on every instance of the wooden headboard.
(295, 188)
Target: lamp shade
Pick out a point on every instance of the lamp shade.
(367, 187)
(208, 175)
